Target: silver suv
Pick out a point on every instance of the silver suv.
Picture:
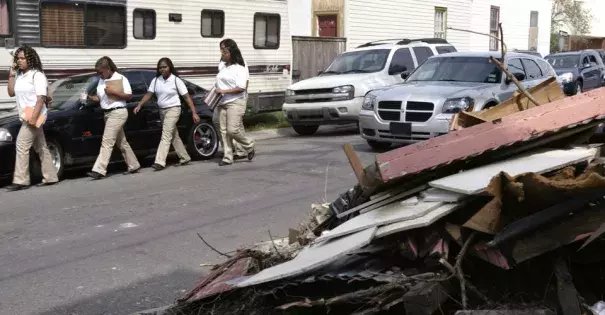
(422, 107)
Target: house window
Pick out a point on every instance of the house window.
(440, 22)
(266, 30)
(533, 19)
(79, 25)
(494, 21)
(213, 23)
(5, 29)
(143, 24)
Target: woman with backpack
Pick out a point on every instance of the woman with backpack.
(168, 87)
(29, 85)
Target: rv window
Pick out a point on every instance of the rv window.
(266, 30)
(213, 23)
(71, 25)
(143, 24)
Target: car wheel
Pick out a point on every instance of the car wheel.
(203, 140)
(579, 87)
(305, 130)
(379, 146)
(56, 154)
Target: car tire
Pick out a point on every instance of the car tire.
(379, 146)
(56, 153)
(202, 141)
(579, 87)
(305, 130)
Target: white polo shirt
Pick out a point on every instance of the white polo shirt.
(28, 86)
(223, 64)
(229, 78)
(103, 96)
(167, 90)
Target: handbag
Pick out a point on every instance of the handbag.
(212, 98)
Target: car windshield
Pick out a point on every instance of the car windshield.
(563, 61)
(363, 61)
(457, 69)
(67, 91)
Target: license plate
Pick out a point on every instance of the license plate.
(401, 129)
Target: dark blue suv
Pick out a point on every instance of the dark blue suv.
(579, 70)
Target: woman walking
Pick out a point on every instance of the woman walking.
(167, 87)
(231, 82)
(113, 100)
(29, 85)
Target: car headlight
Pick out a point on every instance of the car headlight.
(5, 136)
(368, 101)
(566, 77)
(347, 92)
(455, 105)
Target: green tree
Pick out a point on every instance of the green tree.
(570, 15)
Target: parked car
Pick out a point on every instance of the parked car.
(336, 95)
(579, 70)
(423, 106)
(74, 129)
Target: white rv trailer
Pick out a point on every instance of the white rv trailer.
(70, 35)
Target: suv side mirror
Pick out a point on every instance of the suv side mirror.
(518, 75)
(397, 69)
(405, 75)
(586, 65)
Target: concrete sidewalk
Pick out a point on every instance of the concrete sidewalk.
(289, 132)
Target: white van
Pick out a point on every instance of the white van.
(336, 95)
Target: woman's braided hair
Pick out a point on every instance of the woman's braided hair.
(106, 62)
(33, 60)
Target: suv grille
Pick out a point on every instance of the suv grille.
(418, 111)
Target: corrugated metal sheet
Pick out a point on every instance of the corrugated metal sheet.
(28, 22)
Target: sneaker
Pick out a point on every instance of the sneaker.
(223, 163)
(46, 184)
(251, 155)
(157, 167)
(131, 171)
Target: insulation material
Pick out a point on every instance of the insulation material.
(527, 193)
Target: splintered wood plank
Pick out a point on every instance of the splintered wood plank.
(355, 162)
(522, 126)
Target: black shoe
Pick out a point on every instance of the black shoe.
(131, 172)
(15, 187)
(46, 184)
(251, 155)
(184, 163)
(239, 157)
(157, 167)
(96, 175)
(223, 163)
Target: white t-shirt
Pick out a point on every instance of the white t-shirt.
(229, 78)
(103, 96)
(28, 86)
(166, 90)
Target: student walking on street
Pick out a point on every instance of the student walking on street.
(231, 82)
(113, 98)
(167, 87)
(29, 85)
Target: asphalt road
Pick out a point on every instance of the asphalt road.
(129, 243)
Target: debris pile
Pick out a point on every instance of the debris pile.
(503, 215)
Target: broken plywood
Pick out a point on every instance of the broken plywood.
(392, 213)
(312, 258)
(476, 180)
(534, 123)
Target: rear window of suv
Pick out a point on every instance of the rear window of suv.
(445, 49)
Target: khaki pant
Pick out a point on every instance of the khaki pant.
(237, 147)
(232, 128)
(114, 135)
(31, 136)
(170, 135)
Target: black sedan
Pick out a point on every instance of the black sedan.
(74, 129)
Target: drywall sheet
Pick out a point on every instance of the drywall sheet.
(423, 221)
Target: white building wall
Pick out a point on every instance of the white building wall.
(515, 16)
(301, 15)
(368, 20)
(415, 19)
